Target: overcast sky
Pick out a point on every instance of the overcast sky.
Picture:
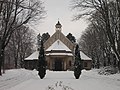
(60, 9)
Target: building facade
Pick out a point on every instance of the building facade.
(59, 51)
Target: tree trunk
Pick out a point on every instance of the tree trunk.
(119, 66)
(0, 65)
(1, 61)
(110, 35)
(16, 63)
(98, 64)
(1, 58)
(119, 48)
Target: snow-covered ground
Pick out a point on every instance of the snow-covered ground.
(21, 79)
(14, 77)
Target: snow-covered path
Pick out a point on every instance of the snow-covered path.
(89, 80)
(15, 77)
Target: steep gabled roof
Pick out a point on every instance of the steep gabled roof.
(58, 35)
(84, 57)
(58, 45)
(60, 54)
(33, 56)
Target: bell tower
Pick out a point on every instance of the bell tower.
(58, 26)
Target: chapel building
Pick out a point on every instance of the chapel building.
(59, 52)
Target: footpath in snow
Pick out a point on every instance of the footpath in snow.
(28, 80)
(14, 77)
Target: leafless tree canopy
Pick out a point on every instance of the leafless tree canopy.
(19, 47)
(104, 16)
(15, 13)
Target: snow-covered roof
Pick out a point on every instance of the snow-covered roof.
(58, 45)
(64, 54)
(33, 56)
(84, 57)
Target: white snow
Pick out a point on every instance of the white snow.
(66, 54)
(58, 45)
(33, 56)
(21, 79)
(14, 77)
(84, 57)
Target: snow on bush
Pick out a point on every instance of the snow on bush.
(108, 70)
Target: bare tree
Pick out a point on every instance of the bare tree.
(20, 45)
(95, 44)
(89, 43)
(13, 14)
(111, 24)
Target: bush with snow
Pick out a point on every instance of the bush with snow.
(108, 70)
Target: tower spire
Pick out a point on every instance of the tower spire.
(58, 25)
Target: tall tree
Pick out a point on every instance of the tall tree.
(110, 20)
(20, 46)
(77, 63)
(13, 14)
(71, 38)
(95, 38)
(42, 62)
(45, 37)
(39, 41)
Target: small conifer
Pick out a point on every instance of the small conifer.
(77, 63)
(42, 62)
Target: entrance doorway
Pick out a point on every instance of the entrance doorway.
(58, 65)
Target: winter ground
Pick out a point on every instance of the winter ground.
(22, 79)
